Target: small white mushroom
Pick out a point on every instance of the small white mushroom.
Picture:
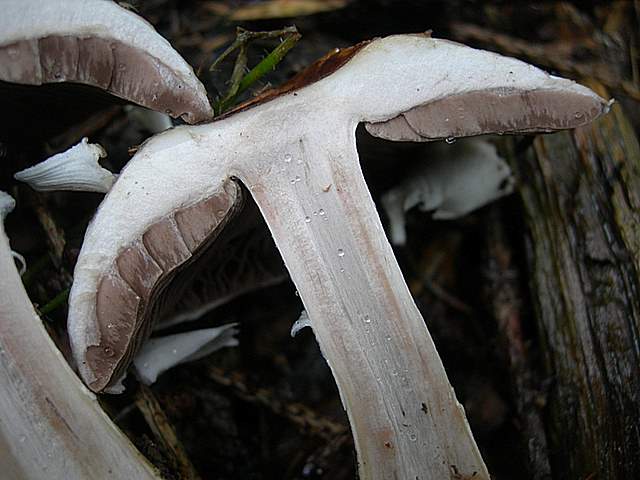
(456, 180)
(158, 355)
(76, 169)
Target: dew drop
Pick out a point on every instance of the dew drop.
(366, 319)
(321, 212)
(450, 140)
(287, 158)
(578, 115)
(413, 437)
(340, 252)
(307, 219)
(342, 270)
(108, 351)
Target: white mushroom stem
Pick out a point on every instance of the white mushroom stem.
(160, 354)
(454, 181)
(75, 169)
(51, 426)
(370, 332)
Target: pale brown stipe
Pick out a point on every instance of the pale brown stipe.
(138, 269)
(122, 70)
(490, 111)
(165, 244)
(117, 308)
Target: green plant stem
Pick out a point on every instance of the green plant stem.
(55, 303)
(238, 83)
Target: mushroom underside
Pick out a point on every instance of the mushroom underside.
(132, 292)
(123, 70)
(496, 110)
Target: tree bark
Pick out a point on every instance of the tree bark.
(581, 196)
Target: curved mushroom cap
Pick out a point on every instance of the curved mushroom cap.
(100, 44)
(117, 291)
(418, 88)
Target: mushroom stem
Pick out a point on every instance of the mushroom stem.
(390, 377)
(51, 426)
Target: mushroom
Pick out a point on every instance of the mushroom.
(294, 151)
(67, 54)
(51, 426)
(75, 169)
(152, 360)
(454, 180)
